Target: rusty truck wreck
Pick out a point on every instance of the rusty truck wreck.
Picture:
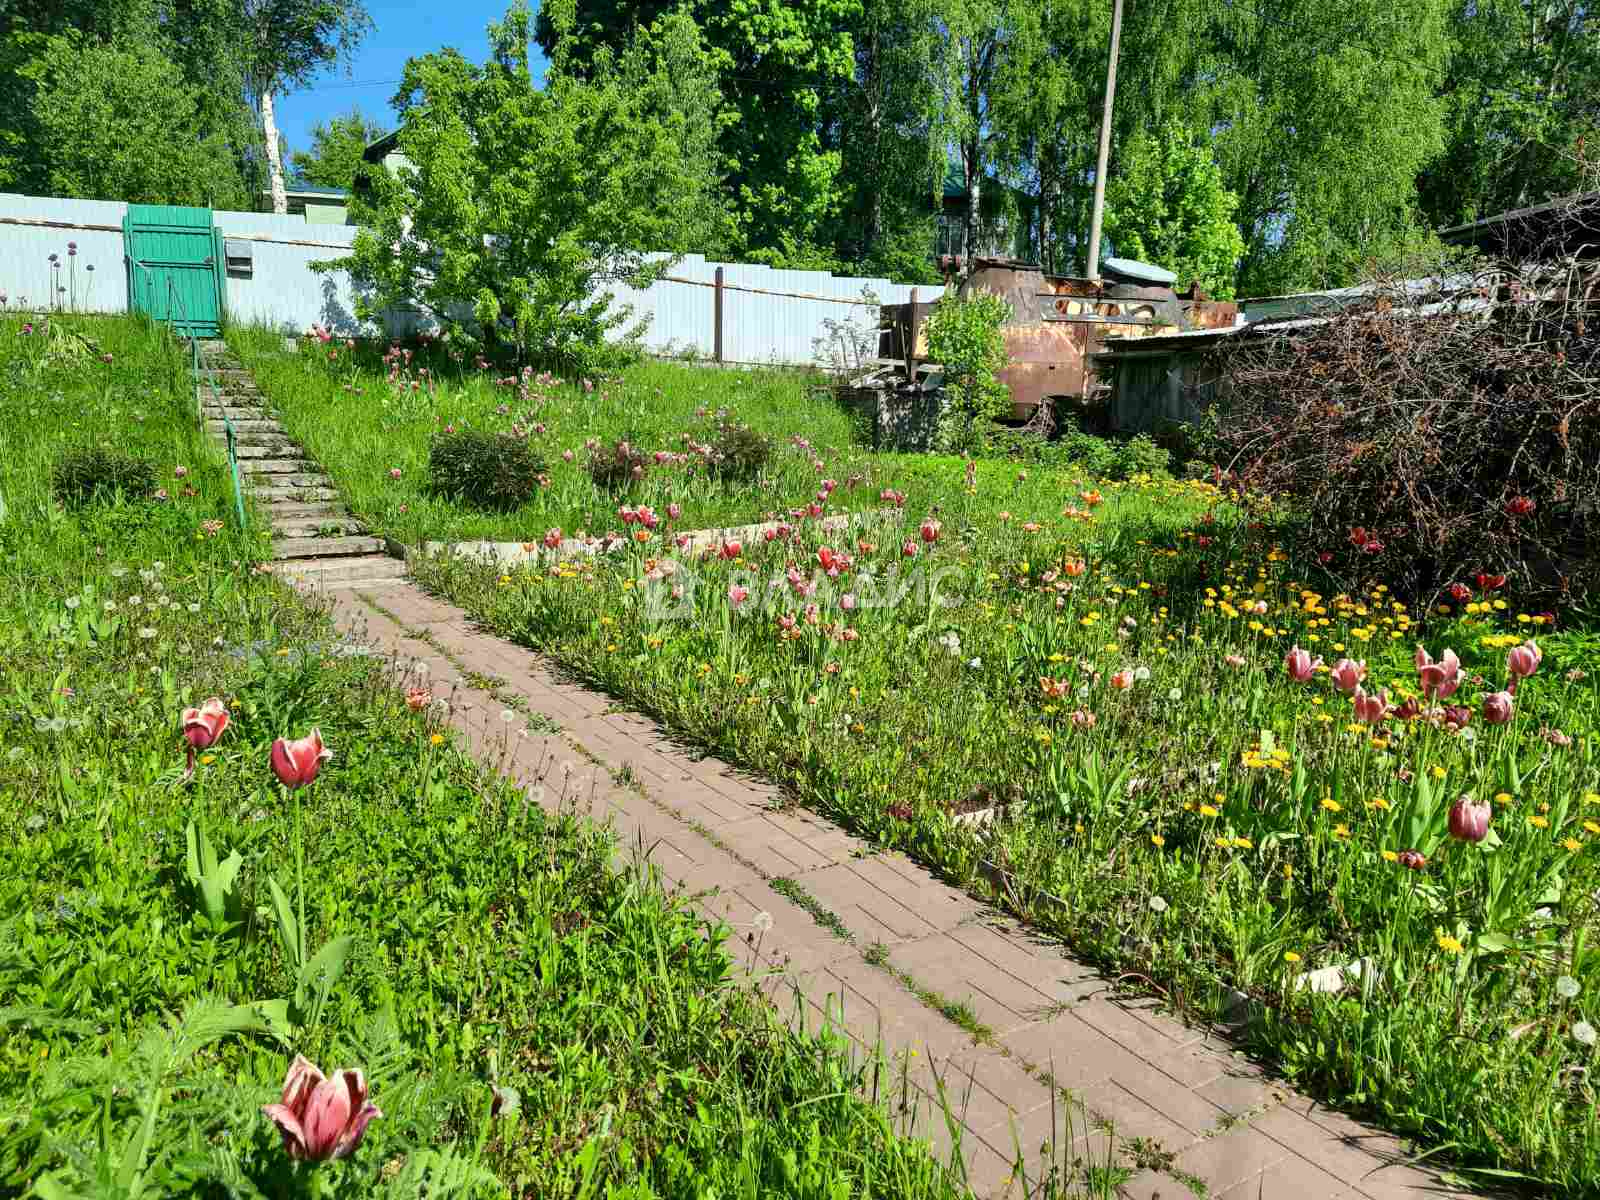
(1057, 324)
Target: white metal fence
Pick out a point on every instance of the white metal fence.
(733, 312)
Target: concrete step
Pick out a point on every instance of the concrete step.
(278, 466)
(341, 572)
(300, 495)
(251, 425)
(314, 528)
(290, 510)
(296, 479)
(279, 448)
(328, 547)
(236, 414)
(275, 444)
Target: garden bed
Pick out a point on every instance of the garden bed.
(528, 1018)
(1111, 679)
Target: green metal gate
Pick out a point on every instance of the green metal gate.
(175, 271)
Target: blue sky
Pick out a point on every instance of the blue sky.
(402, 29)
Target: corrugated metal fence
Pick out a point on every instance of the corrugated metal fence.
(734, 312)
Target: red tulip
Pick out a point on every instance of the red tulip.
(1300, 664)
(1498, 708)
(297, 763)
(1524, 660)
(731, 550)
(552, 537)
(1490, 583)
(1374, 708)
(1439, 679)
(1469, 822)
(1412, 860)
(320, 1118)
(1460, 593)
(204, 725)
(1122, 680)
(1520, 506)
(1457, 716)
(909, 549)
(930, 530)
(1347, 675)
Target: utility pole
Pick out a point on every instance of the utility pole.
(1105, 144)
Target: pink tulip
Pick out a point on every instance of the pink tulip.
(297, 763)
(1374, 708)
(930, 530)
(1236, 661)
(552, 537)
(1439, 679)
(1083, 719)
(1300, 665)
(394, 472)
(1457, 716)
(738, 595)
(1498, 708)
(204, 725)
(1524, 660)
(847, 601)
(1347, 675)
(731, 550)
(909, 549)
(674, 511)
(320, 1118)
(1122, 680)
(1469, 822)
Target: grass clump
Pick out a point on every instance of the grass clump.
(493, 471)
(100, 473)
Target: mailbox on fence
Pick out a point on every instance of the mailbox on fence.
(239, 256)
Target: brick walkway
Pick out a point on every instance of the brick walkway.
(1185, 1109)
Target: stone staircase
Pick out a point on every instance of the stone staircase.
(315, 539)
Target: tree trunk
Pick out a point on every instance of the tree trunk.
(269, 129)
(969, 227)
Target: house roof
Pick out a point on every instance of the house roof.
(382, 148)
(316, 193)
(1571, 223)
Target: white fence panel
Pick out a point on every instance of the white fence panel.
(768, 316)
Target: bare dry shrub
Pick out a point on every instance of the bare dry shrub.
(1440, 432)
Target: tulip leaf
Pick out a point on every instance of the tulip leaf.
(320, 975)
(288, 927)
(213, 880)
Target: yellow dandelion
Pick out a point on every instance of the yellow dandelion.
(1207, 810)
(1289, 956)
(1448, 944)
(1390, 856)
(436, 740)
(1157, 840)
(1572, 844)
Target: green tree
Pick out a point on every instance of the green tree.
(1521, 95)
(525, 207)
(1046, 119)
(777, 63)
(282, 43)
(190, 34)
(965, 337)
(121, 122)
(1167, 205)
(336, 147)
(890, 162)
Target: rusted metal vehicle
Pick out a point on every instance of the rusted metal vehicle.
(1057, 325)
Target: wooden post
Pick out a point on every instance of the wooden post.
(1093, 256)
(908, 338)
(716, 318)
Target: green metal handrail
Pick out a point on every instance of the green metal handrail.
(175, 302)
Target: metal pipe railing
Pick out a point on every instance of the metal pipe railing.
(175, 305)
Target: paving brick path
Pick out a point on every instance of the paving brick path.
(1184, 1107)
